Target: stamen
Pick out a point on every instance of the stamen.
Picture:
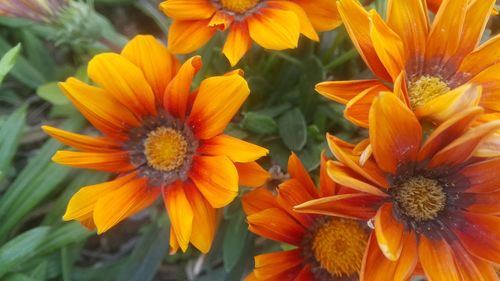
(426, 88)
(420, 198)
(165, 149)
(239, 6)
(338, 246)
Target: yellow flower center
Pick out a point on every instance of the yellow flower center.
(420, 198)
(239, 6)
(425, 89)
(339, 245)
(165, 149)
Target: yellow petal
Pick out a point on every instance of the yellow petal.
(180, 213)
(238, 42)
(188, 9)
(188, 36)
(204, 219)
(274, 29)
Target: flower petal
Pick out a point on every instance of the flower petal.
(238, 42)
(218, 100)
(323, 14)
(216, 178)
(306, 27)
(482, 176)
(186, 36)
(298, 172)
(436, 258)
(283, 266)
(291, 193)
(358, 108)
(327, 187)
(157, 64)
(389, 232)
(395, 133)
(344, 91)
(235, 149)
(375, 266)
(82, 142)
(176, 96)
(257, 200)
(470, 267)
(251, 174)
(124, 81)
(407, 262)
(116, 161)
(347, 177)
(123, 203)
(486, 55)
(274, 29)
(188, 9)
(179, 212)
(282, 227)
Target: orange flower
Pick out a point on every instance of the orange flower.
(161, 138)
(434, 203)
(326, 248)
(273, 25)
(428, 66)
(434, 6)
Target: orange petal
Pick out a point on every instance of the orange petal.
(281, 266)
(387, 45)
(448, 105)
(176, 96)
(353, 206)
(436, 258)
(117, 161)
(369, 170)
(450, 130)
(282, 227)
(82, 142)
(216, 178)
(188, 9)
(238, 42)
(389, 232)
(235, 149)
(219, 99)
(157, 64)
(488, 79)
(186, 36)
(482, 176)
(409, 20)
(306, 27)
(462, 148)
(357, 23)
(347, 177)
(323, 14)
(486, 55)
(305, 274)
(251, 174)
(358, 108)
(375, 266)
(124, 81)
(274, 29)
(180, 213)
(407, 262)
(395, 133)
(327, 186)
(221, 20)
(344, 91)
(174, 245)
(257, 200)
(484, 203)
(102, 110)
(297, 171)
(291, 193)
(123, 203)
(445, 34)
(470, 267)
(82, 204)
(479, 234)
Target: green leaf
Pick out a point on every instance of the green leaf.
(259, 123)
(21, 248)
(147, 255)
(23, 71)
(10, 134)
(65, 235)
(18, 277)
(234, 239)
(51, 93)
(8, 61)
(293, 130)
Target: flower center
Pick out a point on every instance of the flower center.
(420, 198)
(425, 89)
(165, 149)
(239, 6)
(338, 246)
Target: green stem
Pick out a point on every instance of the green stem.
(340, 60)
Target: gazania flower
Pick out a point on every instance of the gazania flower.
(273, 25)
(161, 138)
(434, 5)
(36, 10)
(433, 203)
(326, 248)
(430, 65)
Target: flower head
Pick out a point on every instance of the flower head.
(273, 25)
(161, 138)
(428, 65)
(326, 248)
(434, 202)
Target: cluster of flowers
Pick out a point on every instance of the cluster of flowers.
(420, 196)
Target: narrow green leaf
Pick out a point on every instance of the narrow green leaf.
(21, 248)
(23, 71)
(51, 93)
(234, 240)
(10, 133)
(259, 123)
(8, 61)
(69, 233)
(18, 277)
(40, 271)
(293, 130)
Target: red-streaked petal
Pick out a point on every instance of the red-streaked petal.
(344, 91)
(297, 171)
(482, 176)
(235, 149)
(116, 161)
(82, 142)
(437, 261)
(407, 261)
(282, 227)
(291, 193)
(327, 187)
(375, 266)
(395, 133)
(389, 232)
(283, 266)
(470, 267)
